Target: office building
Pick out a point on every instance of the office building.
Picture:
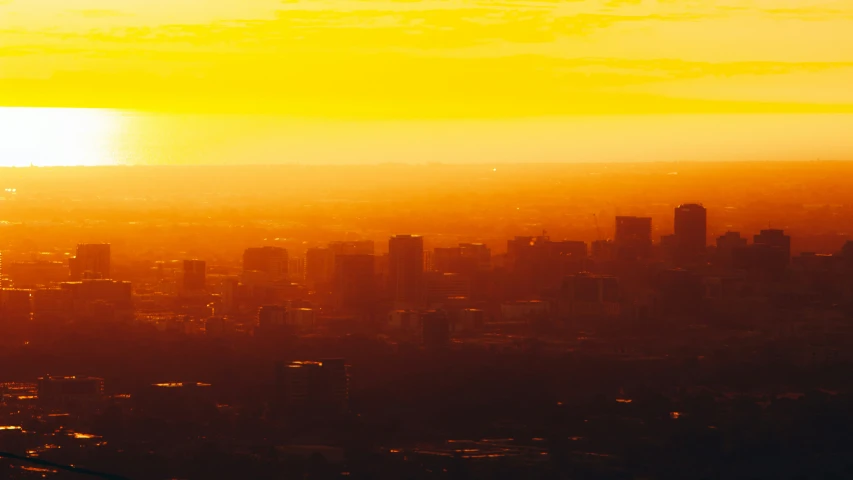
(633, 237)
(296, 269)
(406, 270)
(267, 263)
(538, 265)
(690, 231)
(91, 262)
(195, 275)
(443, 286)
(777, 240)
(726, 245)
(729, 241)
(320, 262)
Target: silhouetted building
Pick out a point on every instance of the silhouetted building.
(313, 388)
(355, 282)
(271, 262)
(442, 286)
(91, 262)
(320, 262)
(726, 245)
(633, 237)
(436, 329)
(730, 241)
(538, 265)
(406, 270)
(775, 239)
(690, 231)
(296, 269)
(195, 275)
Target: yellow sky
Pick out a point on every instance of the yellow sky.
(430, 58)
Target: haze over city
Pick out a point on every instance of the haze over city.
(384, 239)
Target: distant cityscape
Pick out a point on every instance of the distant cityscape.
(611, 300)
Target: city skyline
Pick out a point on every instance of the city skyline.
(426, 239)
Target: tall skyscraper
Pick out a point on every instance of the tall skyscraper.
(633, 237)
(270, 261)
(406, 270)
(690, 230)
(92, 261)
(195, 275)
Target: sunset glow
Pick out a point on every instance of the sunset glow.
(426, 239)
(429, 58)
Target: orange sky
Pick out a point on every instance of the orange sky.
(429, 58)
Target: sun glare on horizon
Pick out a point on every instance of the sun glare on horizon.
(52, 137)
